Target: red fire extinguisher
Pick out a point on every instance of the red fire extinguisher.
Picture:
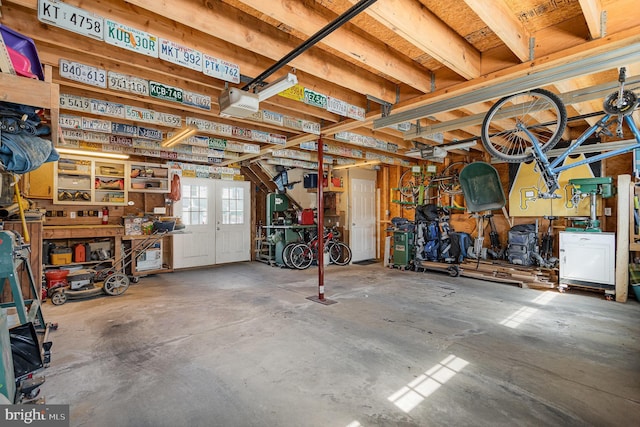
(105, 215)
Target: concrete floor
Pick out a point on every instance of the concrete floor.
(240, 345)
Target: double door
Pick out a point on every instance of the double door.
(217, 216)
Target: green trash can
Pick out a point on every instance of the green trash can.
(403, 249)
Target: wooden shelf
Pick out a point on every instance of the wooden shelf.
(36, 93)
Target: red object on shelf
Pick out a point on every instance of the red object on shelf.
(105, 215)
(305, 217)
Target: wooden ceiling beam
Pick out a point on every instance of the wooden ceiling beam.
(224, 22)
(503, 22)
(592, 11)
(416, 24)
(243, 43)
(308, 20)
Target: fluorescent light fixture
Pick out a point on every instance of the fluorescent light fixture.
(355, 165)
(277, 86)
(185, 133)
(92, 153)
(439, 151)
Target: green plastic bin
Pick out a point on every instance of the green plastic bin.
(481, 187)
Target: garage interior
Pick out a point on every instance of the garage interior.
(188, 151)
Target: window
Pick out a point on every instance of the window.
(232, 206)
(194, 205)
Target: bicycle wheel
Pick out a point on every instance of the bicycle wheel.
(286, 254)
(340, 253)
(301, 256)
(540, 111)
(450, 180)
(409, 183)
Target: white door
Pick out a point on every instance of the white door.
(233, 217)
(363, 219)
(196, 207)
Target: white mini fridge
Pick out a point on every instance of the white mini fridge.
(587, 260)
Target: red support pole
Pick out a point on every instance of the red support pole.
(320, 205)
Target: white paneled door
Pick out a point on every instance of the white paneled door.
(217, 218)
(233, 217)
(363, 219)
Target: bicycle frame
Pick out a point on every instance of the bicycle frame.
(550, 170)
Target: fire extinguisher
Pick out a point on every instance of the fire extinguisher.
(105, 215)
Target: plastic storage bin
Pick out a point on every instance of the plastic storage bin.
(60, 256)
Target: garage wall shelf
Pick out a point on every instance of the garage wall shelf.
(79, 180)
(148, 177)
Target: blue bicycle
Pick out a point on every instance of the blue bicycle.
(523, 127)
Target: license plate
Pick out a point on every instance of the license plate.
(277, 139)
(242, 133)
(196, 100)
(250, 148)
(271, 117)
(73, 102)
(180, 55)
(201, 124)
(199, 140)
(314, 98)
(311, 127)
(234, 146)
(106, 108)
(295, 92)
(199, 150)
(220, 69)
(145, 144)
(71, 18)
(118, 81)
(138, 86)
(97, 137)
(165, 92)
(219, 154)
(149, 133)
(70, 122)
(170, 155)
(224, 129)
(293, 123)
(357, 113)
(83, 73)
(167, 119)
(217, 143)
(72, 134)
(124, 141)
(139, 114)
(124, 129)
(97, 125)
(130, 38)
(260, 136)
(337, 106)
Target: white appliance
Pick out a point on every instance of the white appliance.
(587, 260)
(235, 102)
